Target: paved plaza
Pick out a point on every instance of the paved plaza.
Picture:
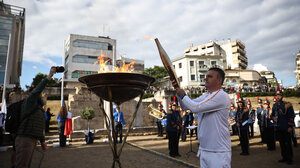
(149, 151)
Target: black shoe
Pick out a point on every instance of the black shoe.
(289, 162)
(282, 161)
(172, 155)
(178, 155)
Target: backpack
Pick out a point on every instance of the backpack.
(13, 116)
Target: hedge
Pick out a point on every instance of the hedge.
(147, 95)
(285, 94)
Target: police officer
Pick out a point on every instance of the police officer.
(259, 111)
(283, 113)
(173, 129)
(242, 117)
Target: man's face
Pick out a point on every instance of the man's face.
(212, 79)
(240, 104)
(173, 107)
(278, 97)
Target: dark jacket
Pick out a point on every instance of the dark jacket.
(32, 116)
(242, 115)
(173, 120)
(285, 113)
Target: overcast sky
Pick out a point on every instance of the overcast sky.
(270, 29)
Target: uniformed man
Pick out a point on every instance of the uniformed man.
(173, 129)
(232, 122)
(119, 123)
(283, 113)
(268, 126)
(259, 111)
(242, 117)
(158, 121)
(251, 118)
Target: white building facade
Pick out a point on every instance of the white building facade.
(81, 52)
(235, 54)
(193, 66)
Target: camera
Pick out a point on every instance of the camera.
(60, 69)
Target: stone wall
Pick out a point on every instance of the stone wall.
(84, 98)
(81, 99)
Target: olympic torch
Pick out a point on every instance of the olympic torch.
(167, 64)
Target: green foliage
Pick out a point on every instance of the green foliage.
(88, 113)
(147, 95)
(285, 94)
(195, 95)
(40, 76)
(156, 72)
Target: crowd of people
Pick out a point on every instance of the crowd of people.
(276, 123)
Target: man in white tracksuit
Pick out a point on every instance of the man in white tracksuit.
(213, 127)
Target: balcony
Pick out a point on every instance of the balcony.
(238, 43)
(242, 65)
(203, 67)
(238, 50)
(243, 58)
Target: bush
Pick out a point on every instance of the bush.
(261, 94)
(195, 95)
(147, 95)
(88, 113)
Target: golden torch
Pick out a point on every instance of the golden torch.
(167, 64)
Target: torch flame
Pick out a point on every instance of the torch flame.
(147, 37)
(103, 68)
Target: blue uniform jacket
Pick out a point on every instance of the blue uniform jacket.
(121, 117)
(266, 122)
(251, 116)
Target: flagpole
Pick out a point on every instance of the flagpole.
(5, 74)
(62, 77)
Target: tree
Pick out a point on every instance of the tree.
(156, 72)
(88, 113)
(40, 76)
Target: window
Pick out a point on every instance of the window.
(192, 77)
(88, 59)
(180, 79)
(233, 81)
(86, 73)
(191, 63)
(180, 65)
(174, 66)
(92, 44)
(201, 62)
(75, 74)
(202, 76)
(213, 63)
